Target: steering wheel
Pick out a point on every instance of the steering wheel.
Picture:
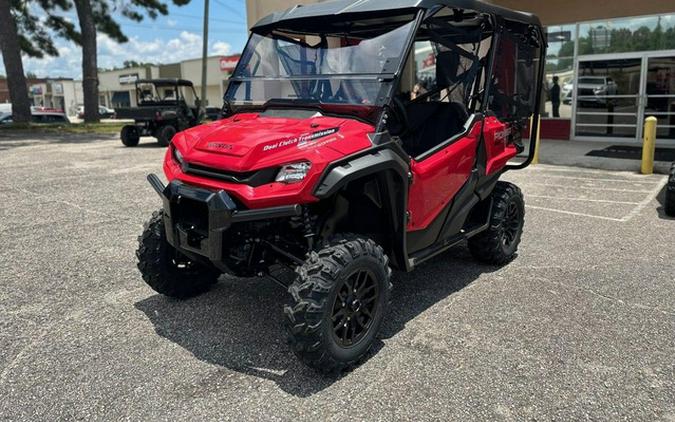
(400, 115)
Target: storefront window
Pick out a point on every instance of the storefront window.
(608, 98)
(560, 70)
(647, 33)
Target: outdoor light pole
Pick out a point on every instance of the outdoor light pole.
(205, 50)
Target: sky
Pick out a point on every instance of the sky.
(168, 39)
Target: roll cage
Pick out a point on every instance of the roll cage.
(458, 27)
(155, 97)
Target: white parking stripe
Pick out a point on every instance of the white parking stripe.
(590, 187)
(578, 170)
(649, 182)
(580, 214)
(647, 200)
(652, 194)
(607, 201)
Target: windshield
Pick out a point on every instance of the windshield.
(340, 68)
(157, 94)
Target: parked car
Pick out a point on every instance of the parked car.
(47, 117)
(103, 112)
(591, 90)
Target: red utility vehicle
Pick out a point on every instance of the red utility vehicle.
(358, 137)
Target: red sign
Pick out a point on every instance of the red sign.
(228, 63)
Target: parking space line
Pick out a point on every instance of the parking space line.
(579, 214)
(591, 188)
(579, 170)
(653, 194)
(650, 182)
(607, 201)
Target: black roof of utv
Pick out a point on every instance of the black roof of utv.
(348, 7)
(165, 81)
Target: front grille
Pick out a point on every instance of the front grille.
(251, 178)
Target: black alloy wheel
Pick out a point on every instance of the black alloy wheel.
(338, 302)
(498, 244)
(512, 224)
(354, 308)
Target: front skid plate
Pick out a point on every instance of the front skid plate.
(221, 213)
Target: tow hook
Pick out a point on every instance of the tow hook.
(156, 184)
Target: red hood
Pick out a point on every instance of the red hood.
(249, 141)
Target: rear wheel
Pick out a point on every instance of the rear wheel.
(130, 136)
(165, 269)
(670, 193)
(339, 299)
(165, 134)
(499, 243)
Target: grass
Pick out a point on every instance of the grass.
(82, 128)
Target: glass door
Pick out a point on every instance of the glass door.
(660, 95)
(607, 95)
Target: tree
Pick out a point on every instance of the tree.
(22, 32)
(85, 15)
(11, 56)
(34, 34)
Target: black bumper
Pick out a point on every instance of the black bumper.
(197, 219)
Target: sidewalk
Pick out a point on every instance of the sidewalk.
(573, 153)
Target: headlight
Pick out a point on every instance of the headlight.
(293, 173)
(178, 156)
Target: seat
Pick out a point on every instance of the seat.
(432, 123)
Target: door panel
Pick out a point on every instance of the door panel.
(499, 147)
(660, 93)
(439, 177)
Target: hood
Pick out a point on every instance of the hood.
(247, 142)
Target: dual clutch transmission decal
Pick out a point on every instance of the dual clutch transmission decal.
(304, 140)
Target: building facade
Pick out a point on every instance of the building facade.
(57, 94)
(613, 62)
(117, 87)
(60, 94)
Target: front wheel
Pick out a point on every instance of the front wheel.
(498, 244)
(165, 269)
(130, 136)
(669, 206)
(165, 134)
(339, 299)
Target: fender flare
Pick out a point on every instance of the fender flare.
(340, 173)
(388, 165)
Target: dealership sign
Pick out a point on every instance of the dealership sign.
(228, 63)
(128, 78)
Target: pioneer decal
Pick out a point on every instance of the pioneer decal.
(503, 135)
(302, 140)
(219, 145)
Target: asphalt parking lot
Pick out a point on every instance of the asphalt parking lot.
(580, 326)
